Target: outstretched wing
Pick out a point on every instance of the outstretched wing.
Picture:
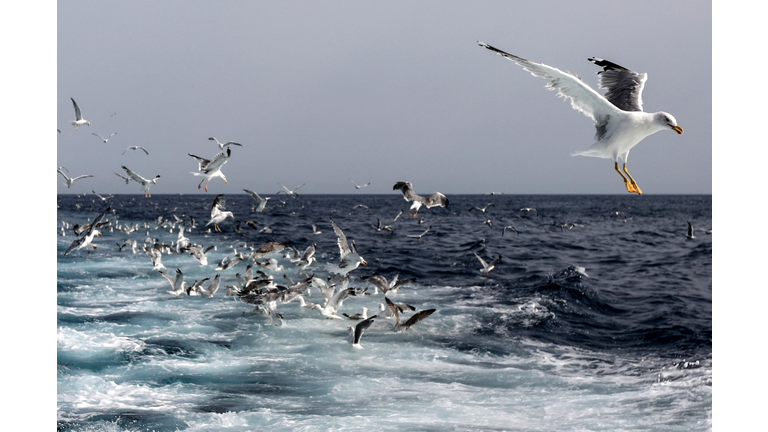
(202, 163)
(217, 161)
(418, 316)
(342, 239)
(218, 204)
(437, 200)
(407, 189)
(135, 177)
(78, 115)
(360, 328)
(583, 98)
(624, 87)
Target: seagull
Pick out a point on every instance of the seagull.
(69, 181)
(79, 120)
(221, 146)
(418, 236)
(487, 267)
(359, 186)
(397, 216)
(380, 283)
(210, 169)
(200, 254)
(212, 288)
(530, 209)
(379, 227)
(489, 223)
(103, 198)
(394, 310)
(350, 258)
(136, 148)
(262, 201)
(619, 118)
(360, 316)
(512, 227)
(90, 233)
(483, 208)
(290, 193)
(435, 200)
(329, 310)
(315, 231)
(156, 256)
(177, 283)
(689, 235)
(140, 180)
(357, 332)
(217, 212)
(104, 139)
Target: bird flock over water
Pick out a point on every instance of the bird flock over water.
(620, 123)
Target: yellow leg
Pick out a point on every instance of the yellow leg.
(633, 182)
(626, 181)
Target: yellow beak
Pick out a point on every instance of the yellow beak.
(678, 129)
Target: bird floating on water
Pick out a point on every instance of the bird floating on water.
(437, 199)
(618, 114)
(79, 120)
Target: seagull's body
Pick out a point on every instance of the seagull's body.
(512, 227)
(212, 288)
(70, 181)
(136, 148)
(350, 258)
(104, 139)
(262, 201)
(89, 235)
(483, 209)
(419, 236)
(210, 169)
(217, 212)
(689, 235)
(356, 333)
(329, 310)
(487, 267)
(289, 192)
(177, 283)
(221, 146)
(618, 115)
(79, 120)
(357, 186)
(145, 183)
(437, 199)
(380, 283)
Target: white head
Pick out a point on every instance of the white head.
(667, 121)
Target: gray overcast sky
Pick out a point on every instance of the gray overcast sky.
(319, 92)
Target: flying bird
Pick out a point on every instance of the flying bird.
(89, 234)
(357, 186)
(350, 258)
(136, 148)
(262, 202)
(210, 169)
(221, 146)
(104, 139)
(437, 199)
(512, 227)
(418, 236)
(79, 120)
(70, 181)
(483, 209)
(530, 209)
(689, 235)
(618, 114)
(355, 333)
(217, 212)
(145, 183)
(487, 267)
(290, 193)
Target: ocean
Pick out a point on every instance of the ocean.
(598, 316)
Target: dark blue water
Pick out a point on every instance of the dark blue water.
(600, 300)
